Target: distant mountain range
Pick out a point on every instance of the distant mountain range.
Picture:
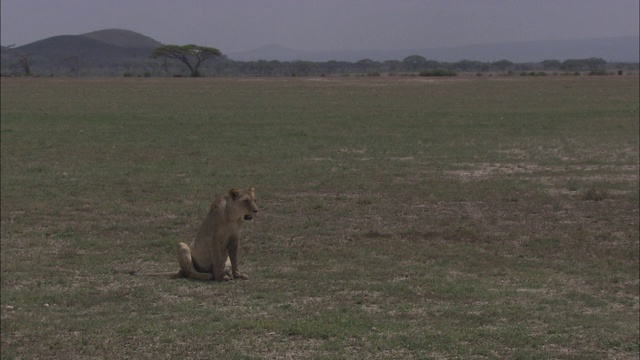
(623, 49)
(116, 43)
(114, 52)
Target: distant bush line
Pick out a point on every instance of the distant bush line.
(223, 66)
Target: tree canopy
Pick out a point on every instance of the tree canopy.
(191, 55)
(583, 64)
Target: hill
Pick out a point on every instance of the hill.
(123, 38)
(65, 46)
(104, 52)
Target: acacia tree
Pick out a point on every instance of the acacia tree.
(25, 63)
(191, 55)
(414, 62)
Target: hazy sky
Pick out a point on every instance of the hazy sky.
(239, 25)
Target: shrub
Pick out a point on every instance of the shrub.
(438, 72)
(533, 73)
(600, 72)
(595, 194)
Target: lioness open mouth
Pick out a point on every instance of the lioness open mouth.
(248, 217)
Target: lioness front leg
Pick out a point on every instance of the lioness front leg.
(233, 256)
(219, 272)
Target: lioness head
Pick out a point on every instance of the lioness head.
(246, 201)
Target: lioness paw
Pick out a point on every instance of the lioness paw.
(241, 276)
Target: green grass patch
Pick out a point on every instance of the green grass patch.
(402, 217)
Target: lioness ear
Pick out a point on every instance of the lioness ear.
(234, 193)
(252, 190)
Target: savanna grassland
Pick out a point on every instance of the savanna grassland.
(401, 217)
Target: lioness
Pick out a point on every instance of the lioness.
(218, 238)
(215, 248)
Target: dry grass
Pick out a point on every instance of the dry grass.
(473, 218)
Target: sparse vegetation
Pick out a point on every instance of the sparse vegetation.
(401, 217)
